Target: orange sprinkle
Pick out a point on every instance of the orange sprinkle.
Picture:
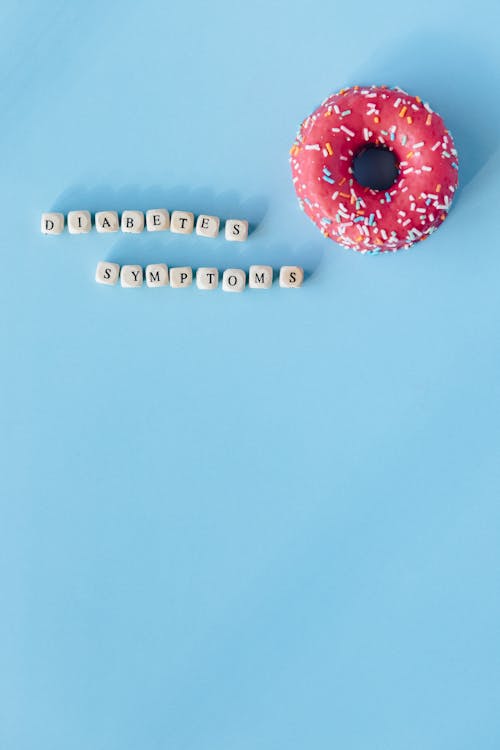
(418, 99)
(328, 113)
(361, 213)
(438, 187)
(409, 154)
(359, 238)
(376, 119)
(409, 120)
(345, 195)
(402, 111)
(342, 181)
(329, 148)
(443, 217)
(429, 119)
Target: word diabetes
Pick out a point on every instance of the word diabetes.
(233, 279)
(156, 220)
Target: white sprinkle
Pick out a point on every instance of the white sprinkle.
(405, 223)
(418, 145)
(406, 171)
(384, 234)
(436, 145)
(347, 131)
(426, 169)
(313, 147)
(397, 102)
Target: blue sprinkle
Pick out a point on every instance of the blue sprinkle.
(370, 220)
(359, 218)
(326, 171)
(388, 197)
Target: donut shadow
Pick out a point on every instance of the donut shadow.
(441, 72)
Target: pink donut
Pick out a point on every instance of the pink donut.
(362, 218)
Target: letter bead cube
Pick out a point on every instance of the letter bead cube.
(157, 220)
(260, 277)
(233, 280)
(181, 277)
(182, 222)
(52, 223)
(131, 276)
(207, 226)
(236, 230)
(79, 222)
(157, 275)
(291, 277)
(107, 273)
(106, 221)
(207, 278)
(132, 222)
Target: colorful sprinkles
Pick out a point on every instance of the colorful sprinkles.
(362, 218)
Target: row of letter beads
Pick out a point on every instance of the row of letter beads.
(157, 220)
(233, 279)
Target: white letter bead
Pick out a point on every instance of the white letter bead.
(131, 276)
(107, 273)
(181, 277)
(260, 277)
(291, 277)
(207, 278)
(236, 230)
(106, 221)
(207, 226)
(79, 222)
(132, 221)
(52, 223)
(157, 219)
(182, 222)
(233, 280)
(157, 274)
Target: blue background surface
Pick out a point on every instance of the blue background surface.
(243, 521)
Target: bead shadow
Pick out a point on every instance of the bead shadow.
(191, 250)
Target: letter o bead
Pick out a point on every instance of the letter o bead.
(233, 280)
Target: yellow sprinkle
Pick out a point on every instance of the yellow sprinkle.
(329, 149)
(402, 111)
(409, 154)
(438, 188)
(429, 119)
(409, 120)
(359, 238)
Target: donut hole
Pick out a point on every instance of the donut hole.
(375, 167)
